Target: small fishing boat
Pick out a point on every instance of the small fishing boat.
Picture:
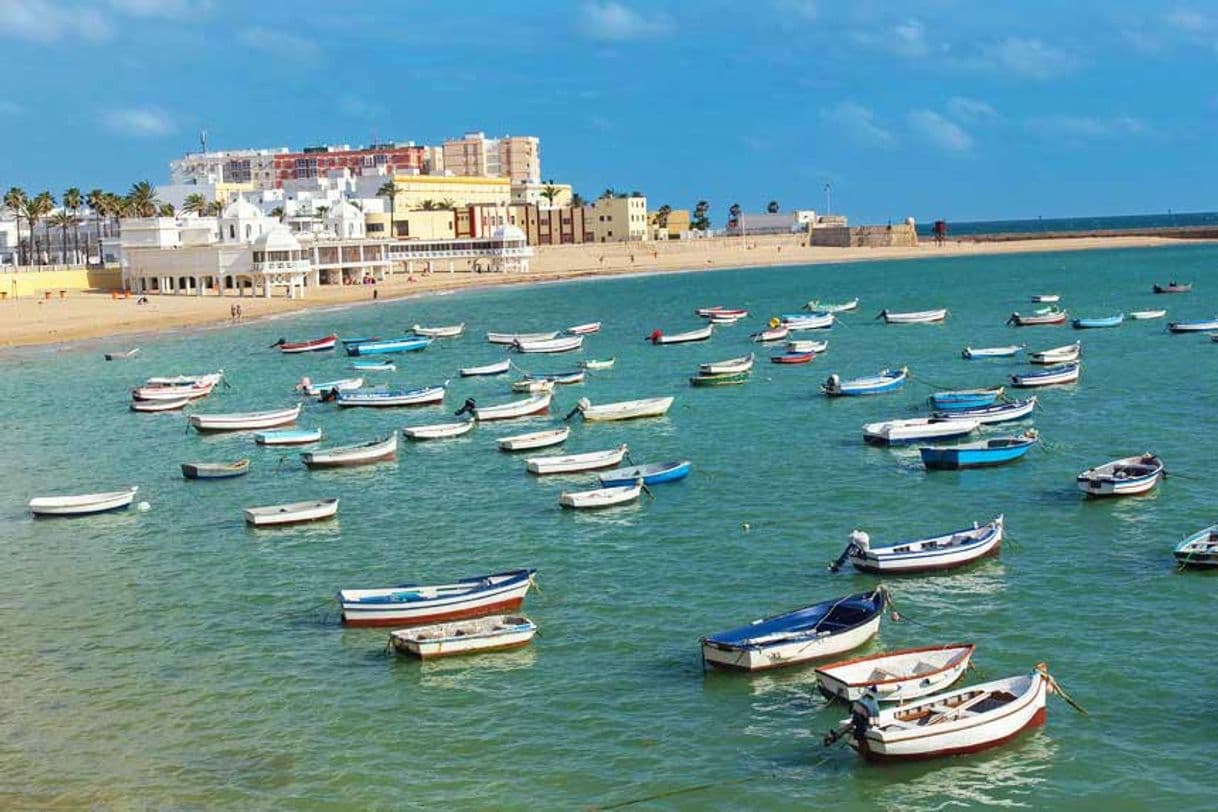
(1047, 315)
(1200, 550)
(574, 463)
(807, 321)
(817, 347)
(793, 358)
(421, 396)
(1046, 298)
(1049, 376)
(351, 342)
(701, 334)
(725, 319)
(623, 410)
(512, 338)
(601, 497)
(387, 346)
(817, 306)
(374, 366)
(159, 405)
(122, 356)
(945, 552)
(415, 604)
(959, 722)
(889, 380)
(1145, 315)
(313, 345)
(606, 364)
(916, 429)
(896, 676)
(1174, 287)
(476, 636)
(813, 632)
(349, 456)
(82, 504)
(173, 392)
(1106, 321)
(1058, 355)
(913, 317)
(558, 378)
(772, 334)
(1214, 337)
(538, 404)
(339, 384)
(288, 437)
(497, 368)
(552, 345)
(215, 470)
(717, 310)
(652, 474)
(1128, 476)
(291, 513)
(982, 454)
(439, 431)
(186, 380)
(540, 385)
(732, 365)
(1000, 413)
(965, 399)
(1202, 326)
(720, 379)
(245, 421)
(534, 439)
(971, 353)
(584, 329)
(450, 331)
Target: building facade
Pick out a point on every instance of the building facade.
(253, 166)
(517, 158)
(617, 219)
(316, 162)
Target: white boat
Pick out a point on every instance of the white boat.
(601, 497)
(825, 307)
(159, 405)
(512, 338)
(959, 722)
(244, 421)
(82, 504)
(291, 513)
(812, 321)
(1046, 298)
(122, 356)
(808, 346)
(551, 345)
(535, 439)
(732, 365)
(341, 384)
(451, 331)
(288, 437)
(172, 392)
(1000, 413)
(1049, 376)
(1128, 476)
(772, 334)
(348, 456)
(701, 334)
(572, 463)
(1057, 355)
(538, 385)
(1201, 326)
(382, 398)
(914, 317)
(590, 364)
(538, 404)
(725, 319)
(438, 431)
(942, 552)
(896, 676)
(186, 380)
(474, 636)
(624, 410)
(1143, 315)
(991, 352)
(497, 368)
(584, 329)
(897, 432)
(415, 604)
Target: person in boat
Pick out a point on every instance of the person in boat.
(864, 709)
(833, 383)
(330, 395)
(304, 384)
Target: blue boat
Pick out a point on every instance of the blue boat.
(981, 454)
(1107, 321)
(890, 380)
(652, 474)
(385, 346)
(1200, 550)
(374, 366)
(998, 413)
(965, 399)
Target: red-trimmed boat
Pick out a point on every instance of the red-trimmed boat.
(416, 604)
(315, 345)
(793, 358)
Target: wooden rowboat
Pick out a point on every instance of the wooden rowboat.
(601, 497)
(607, 364)
(288, 437)
(1201, 326)
(527, 407)
(451, 331)
(476, 636)
(913, 317)
(535, 439)
(944, 552)
(962, 399)
(244, 421)
(981, 454)
(584, 329)
(1173, 287)
(414, 604)
(1144, 315)
(827, 307)
(1128, 476)
(808, 346)
(1050, 315)
(215, 470)
(1001, 413)
(388, 346)
(971, 353)
(574, 463)
(773, 334)
(1200, 550)
(732, 365)
(896, 676)
(382, 398)
(721, 379)
(1106, 321)
(1049, 376)
(159, 405)
(1057, 355)
(917, 429)
(313, 345)
(439, 431)
(1046, 298)
(701, 334)
(173, 392)
(497, 368)
(307, 386)
(349, 456)
(82, 504)
(889, 380)
(512, 338)
(551, 345)
(623, 410)
(655, 473)
(793, 358)
(527, 385)
(291, 513)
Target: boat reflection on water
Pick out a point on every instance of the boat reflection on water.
(468, 670)
(925, 596)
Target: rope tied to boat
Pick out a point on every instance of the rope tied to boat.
(1055, 687)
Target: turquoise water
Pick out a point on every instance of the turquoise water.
(177, 658)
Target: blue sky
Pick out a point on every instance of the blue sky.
(929, 108)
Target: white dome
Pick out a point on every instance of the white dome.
(242, 209)
(342, 210)
(507, 233)
(277, 239)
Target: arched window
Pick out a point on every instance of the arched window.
(248, 230)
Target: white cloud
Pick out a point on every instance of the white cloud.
(278, 43)
(139, 122)
(359, 107)
(1087, 127)
(940, 131)
(805, 10)
(858, 123)
(10, 108)
(1031, 58)
(169, 9)
(619, 23)
(1190, 20)
(46, 21)
(907, 39)
(965, 109)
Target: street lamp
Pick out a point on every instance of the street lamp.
(828, 190)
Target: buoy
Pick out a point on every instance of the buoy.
(745, 525)
(143, 507)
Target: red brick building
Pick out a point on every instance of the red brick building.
(315, 162)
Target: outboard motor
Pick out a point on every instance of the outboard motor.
(330, 395)
(862, 712)
(859, 543)
(467, 407)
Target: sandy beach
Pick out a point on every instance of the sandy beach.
(92, 315)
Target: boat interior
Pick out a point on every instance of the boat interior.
(969, 703)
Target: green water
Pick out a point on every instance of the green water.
(176, 658)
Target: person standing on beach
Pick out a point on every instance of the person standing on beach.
(232, 312)
(375, 294)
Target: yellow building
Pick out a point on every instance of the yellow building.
(227, 192)
(676, 223)
(536, 194)
(617, 219)
(414, 190)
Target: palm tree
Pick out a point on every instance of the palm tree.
(96, 201)
(143, 199)
(14, 201)
(35, 209)
(447, 204)
(63, 220)
(662, 215)
(194, 204)
(72, 201)
(734, 211)
(165, 210)
(701, 220)
(322, 211)
(577, 200)
(772, 207)
(426, 205)
(549, 192)
(277, 212)
(214, 209)
(389, 189)
(636, 193)
(608, 193)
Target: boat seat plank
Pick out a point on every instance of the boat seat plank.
(958, 710)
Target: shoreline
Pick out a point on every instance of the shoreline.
(94, 316)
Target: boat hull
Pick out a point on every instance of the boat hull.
(954, 459)
(499, 599)
(795, 652)
(455, 646)
(834, 683)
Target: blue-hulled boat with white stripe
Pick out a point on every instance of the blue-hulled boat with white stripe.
(998, 413)
(890, 380)
(944, 552)
(1128, 476)
(965, 399)
(651, 474)
(813, 632)
(1049, 376)
(386, 346)
(981, 454)
(1200, 550)
(1106, 321)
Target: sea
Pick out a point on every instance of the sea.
(1057, 225)
(172, 657)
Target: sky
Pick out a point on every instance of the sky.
(926, 108)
